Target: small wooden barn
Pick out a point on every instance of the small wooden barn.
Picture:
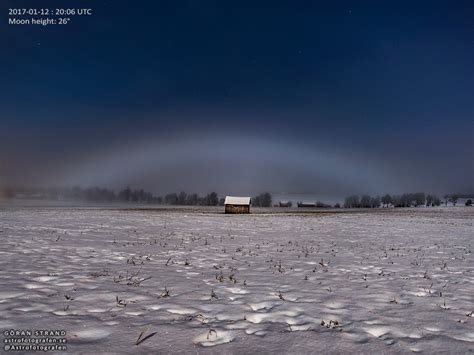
(235, 204)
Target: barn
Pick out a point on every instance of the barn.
(235, 204)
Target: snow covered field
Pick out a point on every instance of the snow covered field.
(379, 281)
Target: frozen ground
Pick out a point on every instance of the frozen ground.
(392, 281)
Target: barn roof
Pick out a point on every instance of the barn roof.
(233, 200)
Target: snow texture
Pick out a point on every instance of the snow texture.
(392, 281)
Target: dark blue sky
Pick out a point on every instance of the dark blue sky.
(385, 88)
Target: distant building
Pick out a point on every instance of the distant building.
(237, 204)
(306, 204)
(285, 204)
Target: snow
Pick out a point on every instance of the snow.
(234, 200)
(369, 281)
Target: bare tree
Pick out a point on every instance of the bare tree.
(182, 198)
(352, 202)
(453, 199)
(386, 200)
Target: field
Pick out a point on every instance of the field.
(148, 281)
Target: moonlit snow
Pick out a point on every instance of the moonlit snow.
(391, 281)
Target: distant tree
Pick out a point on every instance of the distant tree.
(212, 199)
(209, 200)
(134, 196)
(365, 201)
(410, 199)
(262, 200)
(192, 199)
(352, 202)
(446, 198)
(265, 199)
(429, 200)
(375, 202)
(453, 199)
(221, 201)
(386, 200)
(149, 197)
(432, 200)
(396, 200)
(141, 195)
(419, 199)
(337, 205)
(256, 201)
(171, 199)
(182, 198)
(125, 194)
(468, 202)
(404, 200)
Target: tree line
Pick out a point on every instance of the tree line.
(404, 200)
(127, 194)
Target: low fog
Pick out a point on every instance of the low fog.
(232, 161)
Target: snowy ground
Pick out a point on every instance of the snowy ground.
(388, 281)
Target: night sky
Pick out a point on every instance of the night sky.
(327, 97)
